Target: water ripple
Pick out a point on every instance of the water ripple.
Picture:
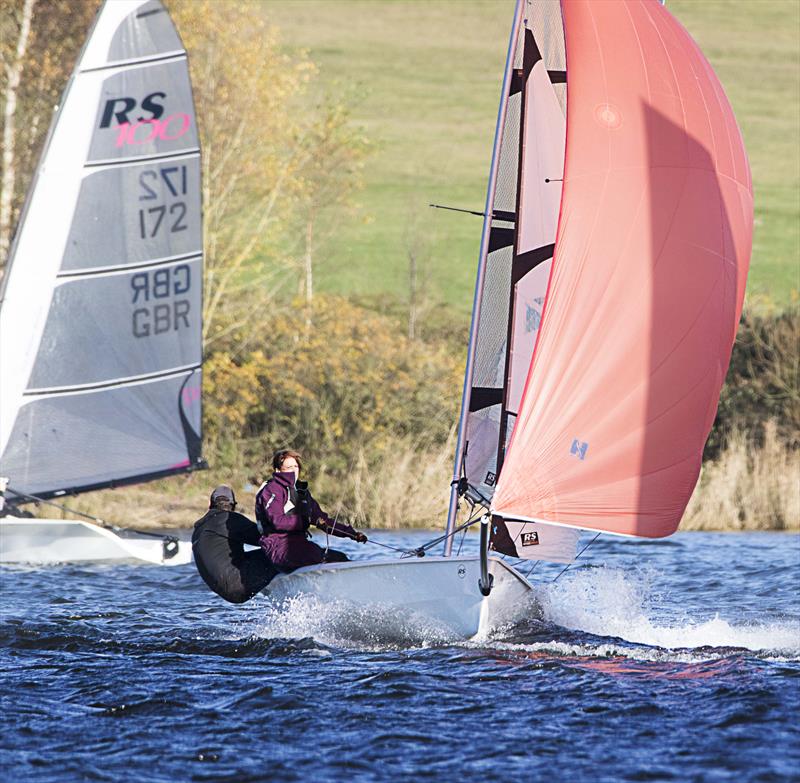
(675, 660)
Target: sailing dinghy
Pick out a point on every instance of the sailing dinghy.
(100, 311)
(615, 248)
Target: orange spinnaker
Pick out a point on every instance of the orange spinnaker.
(647, 283)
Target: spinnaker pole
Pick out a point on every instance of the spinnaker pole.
(473, 330)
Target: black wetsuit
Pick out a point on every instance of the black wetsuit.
(218, 544)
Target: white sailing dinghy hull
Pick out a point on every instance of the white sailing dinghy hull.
(48, 541)
(442, 590)
(611, 280)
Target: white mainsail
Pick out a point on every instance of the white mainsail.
(100, 316)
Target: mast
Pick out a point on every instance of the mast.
(484, 251)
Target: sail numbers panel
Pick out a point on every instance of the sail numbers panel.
(101, 368)
(154, 209)
(146, 320)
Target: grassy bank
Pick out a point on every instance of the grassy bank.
(427, 77)
(748, 488)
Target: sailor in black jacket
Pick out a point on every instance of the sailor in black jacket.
(218, 545)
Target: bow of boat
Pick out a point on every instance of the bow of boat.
(48, 541)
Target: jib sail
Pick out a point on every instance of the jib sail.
(100, 321)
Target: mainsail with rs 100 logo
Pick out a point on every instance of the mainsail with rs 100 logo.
(100, 317)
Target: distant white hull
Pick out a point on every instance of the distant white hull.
(439, 589)
(43, 541)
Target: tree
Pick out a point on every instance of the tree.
(247, 91)
(39, 43)
(13, 66)
(418, 252)
(332, 163)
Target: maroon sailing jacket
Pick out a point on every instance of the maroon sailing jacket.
(284, 540)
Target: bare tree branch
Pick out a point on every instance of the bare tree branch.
(9, 130)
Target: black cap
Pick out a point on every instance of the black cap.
(223, 492)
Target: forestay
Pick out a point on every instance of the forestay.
(100, 323)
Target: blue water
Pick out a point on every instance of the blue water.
(648, 661)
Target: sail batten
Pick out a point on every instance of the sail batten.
(100, 323)
(128, 381)
(142, 158)
(114, 269)
(176, 55)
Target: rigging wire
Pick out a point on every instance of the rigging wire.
(350, 469)
(532, 568)
(420, 550)
(407, 552)
(578, 555)
(461, 543)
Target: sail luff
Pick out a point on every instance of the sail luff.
(483, 253)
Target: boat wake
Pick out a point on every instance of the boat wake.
(596, 613)
(602, 612)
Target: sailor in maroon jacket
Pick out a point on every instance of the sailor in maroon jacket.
(285, 510)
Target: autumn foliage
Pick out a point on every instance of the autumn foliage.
(348, 393)
(39, 43)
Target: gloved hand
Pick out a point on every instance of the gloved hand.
(361, 538)
(303, 503)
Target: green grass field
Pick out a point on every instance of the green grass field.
(427, 79)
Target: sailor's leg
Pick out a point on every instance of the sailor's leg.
(257, 572)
